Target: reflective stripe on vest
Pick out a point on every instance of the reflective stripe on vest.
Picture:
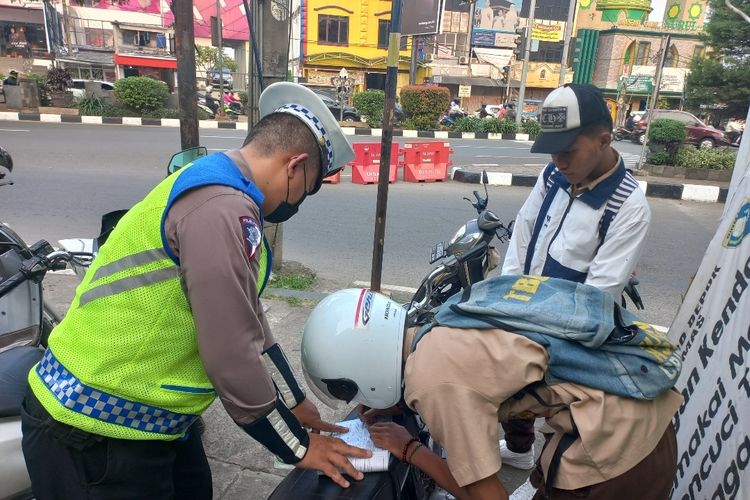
(95, 403)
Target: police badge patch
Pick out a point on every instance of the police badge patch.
(251, 235)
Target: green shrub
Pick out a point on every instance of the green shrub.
(719, 159)
(90, 105)
(409, 124)
(531, 127)
(203, 114)
(497, 126)
(424, 104)
(666, 131)
(118, 110)
(467, 124)
(42, 88)
(659, 158)
(371, 103)
(58, 79)
(140, 93)
(162, 113)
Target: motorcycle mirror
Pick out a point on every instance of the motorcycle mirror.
(185, 157)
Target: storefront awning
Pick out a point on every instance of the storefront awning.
(148, 62)
(478, 81)
(496, 57)
(21, 15)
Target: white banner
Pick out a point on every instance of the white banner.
(712, 328)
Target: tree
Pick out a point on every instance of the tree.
(207, 57)
(721, 78)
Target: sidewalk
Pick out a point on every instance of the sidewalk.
(659, 187)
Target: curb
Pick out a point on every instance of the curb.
(686, 192)
(231, 125)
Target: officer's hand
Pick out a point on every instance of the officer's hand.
(368, 415)
(390, 436)
(309, 416)
(328, 455)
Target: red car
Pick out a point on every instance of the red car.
(698, 133)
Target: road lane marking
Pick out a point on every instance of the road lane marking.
(13, 130)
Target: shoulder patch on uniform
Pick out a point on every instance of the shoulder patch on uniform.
(251, 235)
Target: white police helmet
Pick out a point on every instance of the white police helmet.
(352, 347)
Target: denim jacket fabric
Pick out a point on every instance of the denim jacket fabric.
(590, 340)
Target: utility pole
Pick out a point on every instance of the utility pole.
(414, 55)
(526, 55)
(566, 40)
(666, 40)
(185, 50)
(220, 36)
(391, 78)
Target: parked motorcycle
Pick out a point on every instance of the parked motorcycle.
(26, 320)
(625, 134)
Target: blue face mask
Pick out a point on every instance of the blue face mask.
(286, 210)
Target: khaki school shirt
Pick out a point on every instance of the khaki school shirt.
(205, 231)
(462, 382)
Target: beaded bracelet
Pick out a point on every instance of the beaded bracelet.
(413, 451)
(406, 448)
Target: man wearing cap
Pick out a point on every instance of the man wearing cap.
(168, 317)
(584, 221)
(12, 78)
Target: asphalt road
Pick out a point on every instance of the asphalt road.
(68, 175)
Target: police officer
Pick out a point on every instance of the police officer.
(168, 318)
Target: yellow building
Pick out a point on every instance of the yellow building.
(351, 35)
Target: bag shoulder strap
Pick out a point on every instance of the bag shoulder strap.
(614, 204)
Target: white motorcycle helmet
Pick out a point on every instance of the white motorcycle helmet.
(352, 347)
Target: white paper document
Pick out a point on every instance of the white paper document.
(359, 436)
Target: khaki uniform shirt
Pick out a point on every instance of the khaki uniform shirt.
(220, 279)
(461, 382)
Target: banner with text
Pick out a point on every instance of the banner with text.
(547, 31)
(712, 328)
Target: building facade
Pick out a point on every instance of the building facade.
(352, 35)
(618, 50)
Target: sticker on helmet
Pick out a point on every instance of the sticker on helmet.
(364, 305)
(251, 235)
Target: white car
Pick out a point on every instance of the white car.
(78, 86)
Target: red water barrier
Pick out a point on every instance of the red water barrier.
(427, 161)
(366, 163)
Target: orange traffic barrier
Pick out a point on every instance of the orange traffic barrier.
(427, 161)
(335, 178)
(366, 163)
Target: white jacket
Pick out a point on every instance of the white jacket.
(565, 231)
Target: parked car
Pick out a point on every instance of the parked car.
(212, 77)
(78, 86)
(698, 133)
(350, 113)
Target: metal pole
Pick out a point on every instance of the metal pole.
(566, 40)
(413, 64)
(526, 55)
(185, 51)
(655, 95)
(391, 78)
(220, 58)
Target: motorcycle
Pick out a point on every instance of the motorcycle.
(466, 259)
(26, 320)
(625, 134)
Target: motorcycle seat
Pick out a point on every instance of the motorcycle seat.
(14, 369)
